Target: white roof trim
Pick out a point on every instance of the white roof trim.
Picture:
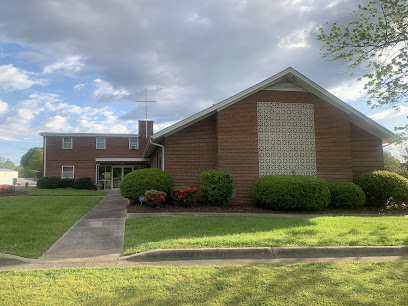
(138, 159)
(89, 134)
(297, 78)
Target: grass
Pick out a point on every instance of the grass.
(380, 283)
(148, 233)
(64, 192)
(30, 224)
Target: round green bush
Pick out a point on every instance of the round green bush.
(383, 187)
(216, 187)
(291, 192)
(346, 195)
(138, 182)
(83, 183)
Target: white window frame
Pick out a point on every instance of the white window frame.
(104, 142)
(63, 143)
(73, 172)
(137, 143)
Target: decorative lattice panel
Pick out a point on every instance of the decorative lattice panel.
(286, 138)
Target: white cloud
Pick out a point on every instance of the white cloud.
(57, 123)
(13, 78)
(3, 107)
(88, 126)
(106, 92)
(390, 113)
(349, 90)
(297, 39)
(333, 4)
(79, 86)
(196, 18)
(160, 126)
(70, 63)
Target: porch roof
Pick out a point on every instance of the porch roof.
(121, 160)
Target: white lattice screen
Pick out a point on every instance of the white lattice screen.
(286, 138)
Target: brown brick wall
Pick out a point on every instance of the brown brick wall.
(191, 151)
(83, 153)
(238, 140)
(229, 140)
(366, 151)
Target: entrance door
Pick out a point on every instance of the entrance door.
(117, 175)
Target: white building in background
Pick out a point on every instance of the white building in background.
(7, 176)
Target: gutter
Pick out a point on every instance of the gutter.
(161, 146)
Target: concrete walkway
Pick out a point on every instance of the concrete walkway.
(99, 233)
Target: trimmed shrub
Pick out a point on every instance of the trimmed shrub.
(53, 182)
(346, 195)
(84, 183)
(291, 192)
(383, 188)
(66, 183)
(216, 187)
(155, 198)
(185, 195)
(138, 182)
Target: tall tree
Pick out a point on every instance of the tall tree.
(5, 163)
(393, 164)
(375, 39)
(32, 162)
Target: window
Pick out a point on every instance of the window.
(133, 143)
(100, 142)
(67, 142)
(67, 172)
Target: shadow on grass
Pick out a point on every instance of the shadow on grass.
(307, 284)
(147, 233)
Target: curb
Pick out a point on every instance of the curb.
(267, 253)
(12, 260)
(294, 254)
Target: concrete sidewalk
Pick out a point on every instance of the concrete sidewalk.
(99, 233)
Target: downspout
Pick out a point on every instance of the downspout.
(45, 155)
(161, 146)
(96, 174)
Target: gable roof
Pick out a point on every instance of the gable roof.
(286, 80)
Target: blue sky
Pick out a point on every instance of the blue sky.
(80, 66)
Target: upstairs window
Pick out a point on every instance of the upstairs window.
(100, 142)
(133, 143)
(67, 142)
(67, 172)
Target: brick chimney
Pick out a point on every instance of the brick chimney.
(142, 128)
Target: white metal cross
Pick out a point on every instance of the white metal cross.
(145, 100)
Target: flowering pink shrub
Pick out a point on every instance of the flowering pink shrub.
(185, 195)
(6, 188)
(154, 197)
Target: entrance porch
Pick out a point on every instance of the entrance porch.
(111, 171)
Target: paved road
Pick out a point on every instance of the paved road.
(99, 233)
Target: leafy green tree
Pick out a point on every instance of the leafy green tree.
(6, 163)
(393, 164)
(31, 163)
(376, 40)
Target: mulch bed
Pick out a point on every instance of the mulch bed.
(11, 194)
(135, 207)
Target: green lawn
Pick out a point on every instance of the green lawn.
(380, 283)
(29, 225)
(64, 192)
(148, 233)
